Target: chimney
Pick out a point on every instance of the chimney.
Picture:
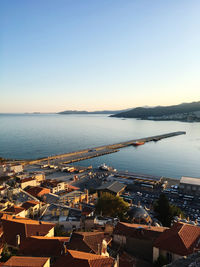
(99, 249)
(18, 240)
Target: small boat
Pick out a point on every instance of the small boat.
(138, 143)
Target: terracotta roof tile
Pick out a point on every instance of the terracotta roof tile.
(29, 204)
(14, 209)
(13, 225)
(139, 231)
(18, 261)
(87, 241)
(43, 246)
(182, 239)
(83, 259)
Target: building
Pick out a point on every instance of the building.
(78, 258)
(15, 210)
(28, 182)
(73, 197)
(114, 188)
(69, 218)
(180, 240)
(19, 261)
(189, 185)
(32, 208)
(17, 229)
(37, 191)
(42, 246)
(54, 185)
(137, 239)
(91, 242)
(15, 168)
(137, 214)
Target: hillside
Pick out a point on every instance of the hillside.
(182, 112)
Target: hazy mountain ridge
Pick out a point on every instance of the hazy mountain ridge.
(183, 112)
(92, 112)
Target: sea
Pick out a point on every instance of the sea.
(31, 136)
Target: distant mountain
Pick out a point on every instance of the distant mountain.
(183, 112)
(68, 112)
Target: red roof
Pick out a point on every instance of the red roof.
(43, 246)
(14, 209)
(139, 231)
(13, 226)
(38, 191)
(82, 259)
(182, 239)
(29, 204)
(18, 261)
(87, 241)
(25, 180)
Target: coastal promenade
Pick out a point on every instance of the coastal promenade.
(98, 151)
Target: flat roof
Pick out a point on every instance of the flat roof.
(190, 180)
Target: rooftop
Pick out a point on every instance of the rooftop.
(115, 186)
(83, 259)
(18, 261)
(30, 203)
(87, 241)
(190, 180)
(139, 231)
(182, 239)
(14, 209)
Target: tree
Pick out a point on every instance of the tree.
(165, 211)
(113, 206)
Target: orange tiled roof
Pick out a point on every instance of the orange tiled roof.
(182, 239)
(87, 241)
(15, 225)
(139, 231)
(18, 261)
(37, 191)
(43, 246)
(14, 209)
(82, 259)
(30, 203)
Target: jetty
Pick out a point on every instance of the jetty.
(89, 153)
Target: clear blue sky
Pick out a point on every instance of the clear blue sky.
(98, 54)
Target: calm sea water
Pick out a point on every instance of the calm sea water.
(31, 136)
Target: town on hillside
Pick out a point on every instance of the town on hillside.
(62, 215)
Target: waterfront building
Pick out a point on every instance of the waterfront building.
(189, 185)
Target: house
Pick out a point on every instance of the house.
(137, 239)
(78, 258)
(180, 240)
(19, 261)
(39, 176)
(17, 229)
(31, 207)
(114, 188)
(91, 242)
(38, 191)
(28, 182)
(69, 217)
(15, 210)
(15, 168)
(73, 197)
(54, 185)
(43, 246)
